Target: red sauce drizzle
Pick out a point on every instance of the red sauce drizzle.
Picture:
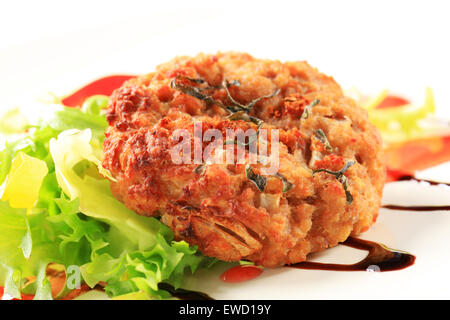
(103, 86)
(241, 274)
(392, 101)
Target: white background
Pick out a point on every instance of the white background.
(57, 46)
(371, 45)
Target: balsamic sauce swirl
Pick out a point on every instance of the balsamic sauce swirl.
(418, 208)
(380, 258)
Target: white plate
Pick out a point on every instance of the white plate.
(424, 235)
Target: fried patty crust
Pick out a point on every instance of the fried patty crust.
(218, 208)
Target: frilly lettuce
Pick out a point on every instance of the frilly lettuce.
(74, 219)
(143, 243)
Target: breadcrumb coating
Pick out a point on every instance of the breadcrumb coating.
(218, 208)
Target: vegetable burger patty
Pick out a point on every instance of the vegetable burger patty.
(330, 173)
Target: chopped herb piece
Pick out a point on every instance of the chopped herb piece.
(323, 138)
(286, 184)
(198, 92)
(237, 111)
(195, 92)
(257, 179)
(195, 80)
(308, 108)
(251, 139)
(341, 178)
(239, 115)
(242, 115)
(247, 108)
(200, 169)
(236, 83)
(189, 208)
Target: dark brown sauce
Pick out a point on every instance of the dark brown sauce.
(412, 178)
(184, 294)
(380, 258)
(417, 208)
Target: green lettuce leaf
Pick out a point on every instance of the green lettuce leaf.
(15, 226)
(76, 221)
(138, 246)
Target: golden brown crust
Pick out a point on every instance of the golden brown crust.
(220, 210)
